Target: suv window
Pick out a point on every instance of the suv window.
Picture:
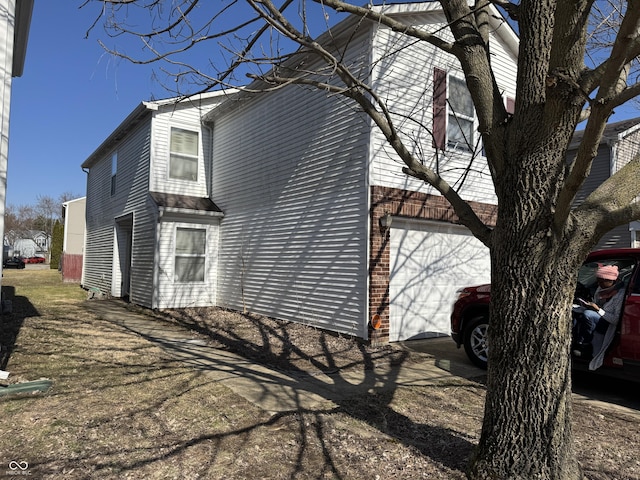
(587, 273)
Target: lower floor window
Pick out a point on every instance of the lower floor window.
(190, 254)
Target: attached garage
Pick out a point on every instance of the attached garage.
(429, 261)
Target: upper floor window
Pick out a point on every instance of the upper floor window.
(190, 254)
(183, 161)
(114, 170)
(453, 113)
(461, 115)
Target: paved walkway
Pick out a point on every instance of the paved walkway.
(281, 391)
(270, 389)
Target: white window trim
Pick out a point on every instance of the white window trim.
(198, 157)
(190, 226)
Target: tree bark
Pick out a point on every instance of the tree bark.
(527, 430)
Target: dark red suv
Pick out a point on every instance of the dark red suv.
(470, 316)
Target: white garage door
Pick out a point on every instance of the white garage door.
(429, 261)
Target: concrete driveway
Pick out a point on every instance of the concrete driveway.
(587, 387)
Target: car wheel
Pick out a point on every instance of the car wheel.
(475, 340)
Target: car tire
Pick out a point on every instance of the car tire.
(475, 340)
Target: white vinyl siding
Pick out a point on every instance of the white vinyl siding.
(403, 75)
(122, 229)
(191, 177)
(170, 291)
(600, 171)
(289, 173)
(610, 158)
(103, 251)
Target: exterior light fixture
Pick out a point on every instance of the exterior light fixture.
(385, 221)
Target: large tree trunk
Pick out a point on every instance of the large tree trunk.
(527, 425)
(527, 432)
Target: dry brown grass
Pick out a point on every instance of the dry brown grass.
(121, 407)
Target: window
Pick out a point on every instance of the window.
(114, 169)
(190, 254)
(461, 115)
(183, 161)
(453, 113)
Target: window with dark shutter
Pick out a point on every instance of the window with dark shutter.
(453, 113)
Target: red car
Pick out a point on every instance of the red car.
(470, 316)
(34, 260)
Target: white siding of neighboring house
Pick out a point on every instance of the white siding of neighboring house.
(600, 171)
(289, 171)
(624, 150)
(405, 79)
(171, 294)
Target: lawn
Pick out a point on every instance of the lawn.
(121, 407)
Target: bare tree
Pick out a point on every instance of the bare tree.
(25, 221)
(540, 238)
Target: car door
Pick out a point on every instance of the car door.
(629, 347)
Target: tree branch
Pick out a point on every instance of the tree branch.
(396, 26)
(610, 80)
(615, 202)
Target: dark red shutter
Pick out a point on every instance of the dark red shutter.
(511, 105)
(439, 108)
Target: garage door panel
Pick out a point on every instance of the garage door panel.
(429, 261)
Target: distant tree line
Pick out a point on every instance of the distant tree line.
(23, 220)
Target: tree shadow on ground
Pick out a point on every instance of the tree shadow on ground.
(152, 395)
(294, 349)
(12, 321)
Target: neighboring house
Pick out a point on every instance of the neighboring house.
(15, 21)
(73, 214)
(32, 243)
(620, 144)
(291, 204)
(42, 241)
(25, 247)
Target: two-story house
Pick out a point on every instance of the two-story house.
(619, 145)
(291, 204)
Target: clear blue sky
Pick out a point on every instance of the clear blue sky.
(71, 96)
(69, 99)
